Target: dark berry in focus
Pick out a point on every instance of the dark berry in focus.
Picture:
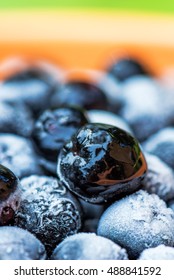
(19, 244)
(88, 246)
(48, 210)
(82, 94)
(125, 68)
(55, 127)
(9, 195)
(101, 163)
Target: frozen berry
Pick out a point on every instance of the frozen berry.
(88, 246)
(101, 162)
(82, 94)
(19, 244)
(17, 153)
(145, 106)
(15, 119)
(9, 195)
(47, 210)
(55, 127)
(160, 252)
(137, 222)
(126, 67)
(159, 178)
(161, 144)
(33, 87)
(101, 116)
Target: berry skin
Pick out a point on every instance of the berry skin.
(17, 153)
(137, 222)
(9, 195)
(160, 252)
(161, 144)
(159, 178)
(32, 87)
(88, 246)
(48, 210)
(19, 244)
(101, 163)
(82, 94)
(55, 127)
(125, 68)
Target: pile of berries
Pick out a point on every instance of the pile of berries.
(86, 168)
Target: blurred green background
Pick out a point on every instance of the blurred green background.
(148, 5)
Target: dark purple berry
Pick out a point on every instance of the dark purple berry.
(82, 94)
(101, 163)
(55, 127)
(48, 210)
(125, 68)
(9, 195)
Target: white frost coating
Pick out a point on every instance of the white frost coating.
(16, 119)
(17, 154)
(48, 210)
(137, 222)
(164, 135)
(159, 178)
(101, 116)
(142, 95)
(89, 246)
(160, 252)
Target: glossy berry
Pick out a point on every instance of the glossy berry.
(125, 68)
(137, 222)
(88, 246)
(82, 94)
(19, 244)
(55, 127)
(101, 163)
(48, 210)
(9, 195)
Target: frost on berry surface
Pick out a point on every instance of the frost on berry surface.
(47, 210)
(17, 154)
(19, 244)
(161, 144)
(159, 178)
(101, 116)
(137, 222)
(146, 108)
(160, 252)
(15, 119)
(88, 246)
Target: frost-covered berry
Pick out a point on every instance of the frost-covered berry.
(15, 119)
(10, 195)
(106, 117)
(17, 153)
(160, 252)
(161, 144)
(137, 222)
(159, 178)
(146, 107)
(19, 244)
(88, 246)
(47, 210)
